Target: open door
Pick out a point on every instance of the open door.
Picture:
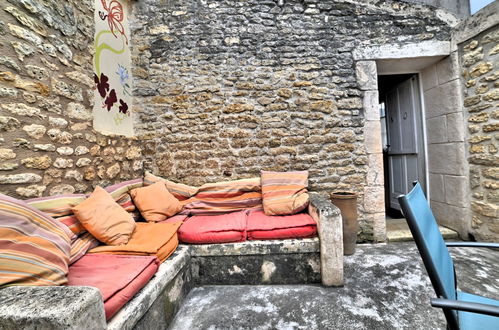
(404, 148)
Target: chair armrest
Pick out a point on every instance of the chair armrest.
(465, 306)
(473, 244)
(330, 229)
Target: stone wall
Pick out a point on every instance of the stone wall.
(445, 135)
(233, 87)
(480, 73)
(47, 145)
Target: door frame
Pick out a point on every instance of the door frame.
(367, 59)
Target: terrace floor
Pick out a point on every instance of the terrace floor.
(386, 287)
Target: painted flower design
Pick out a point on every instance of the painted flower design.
(110, 100)
(123, 74)
(114, 15)
(123, 107)
(102, 84)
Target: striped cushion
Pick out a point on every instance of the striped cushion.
(284, 192)
(81, 245)
(34, 248)
(212, 206)
(227, 189)
(57, 206)
(179, 190)
(120, 193)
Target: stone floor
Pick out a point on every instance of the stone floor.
(386, 287)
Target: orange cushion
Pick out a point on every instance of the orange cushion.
(155, 202)
(284, 193)
(105, 219)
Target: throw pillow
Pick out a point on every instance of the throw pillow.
(155, 202)
(105, 219)
(284, 193)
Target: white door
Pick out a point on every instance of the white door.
(405, 145)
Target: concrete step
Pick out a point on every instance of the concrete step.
(398, 231)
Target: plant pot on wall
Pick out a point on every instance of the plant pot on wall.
(347, 203)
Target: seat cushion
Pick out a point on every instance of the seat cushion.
(34, 248)
(207, 229)
(148, 239)
(261, 226)
(474, 320)
(117, 277)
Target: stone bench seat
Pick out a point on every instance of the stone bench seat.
(310, 260)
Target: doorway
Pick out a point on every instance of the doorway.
(402, 136)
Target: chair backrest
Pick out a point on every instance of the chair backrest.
(431, 245)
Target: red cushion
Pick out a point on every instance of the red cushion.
(207, 229)
(117, 277)
(261, 226)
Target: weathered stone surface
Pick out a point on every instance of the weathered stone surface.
(65, 151)
(31, 191)
(73, 175)
(58, 122)
(8, 166)
(61, 190)
(67, 90)
(367, 75)
(35, 131)
(63, 163)
(113, 171)
(8, 124)
(44, 147)
(6, 154)
(78, 111)
(40, 163)
(20, 178)
(81, 150)
(20, 109)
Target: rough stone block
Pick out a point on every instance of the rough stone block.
(374, 199)
(443, 99)
(51, 308)
(367, 75)
(436, 129)
(447, 158)
(456, 190)
(372, 137)
(371, 105)
(375, 170)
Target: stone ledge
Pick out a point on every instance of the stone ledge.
(134, 310)
(49, 307)
(306, 245)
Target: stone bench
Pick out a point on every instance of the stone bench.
(312, 260)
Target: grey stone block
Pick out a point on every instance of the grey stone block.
(453, 217)
(367, 75)
(437, 187)
(436, 129)
(330, 228)
(456, 190)
(371, 105)
(429, 77)
(447, 158)
(455, 127)
(53, 307)
(443, 99)
(448, 68)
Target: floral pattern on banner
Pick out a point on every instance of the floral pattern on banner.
(112, 63)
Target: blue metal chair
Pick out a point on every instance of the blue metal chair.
(462, 310)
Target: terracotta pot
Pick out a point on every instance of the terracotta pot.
(347, 203)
